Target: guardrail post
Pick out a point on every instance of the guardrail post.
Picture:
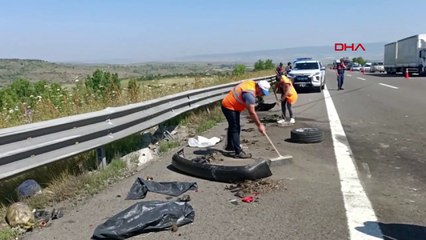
(101, 157)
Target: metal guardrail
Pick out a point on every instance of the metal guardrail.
(32, 145)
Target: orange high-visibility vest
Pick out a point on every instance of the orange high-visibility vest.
(234, 100)
(292, 98)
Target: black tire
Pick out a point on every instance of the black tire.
(318, 89)
(307, 135)
(221, 173)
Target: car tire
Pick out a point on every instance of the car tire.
(307, 135)
(221, 173)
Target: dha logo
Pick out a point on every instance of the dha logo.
(338, 47)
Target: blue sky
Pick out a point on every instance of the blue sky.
(92, 30)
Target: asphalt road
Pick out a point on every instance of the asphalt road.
(382, 118)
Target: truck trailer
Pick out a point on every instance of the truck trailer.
(408, 54)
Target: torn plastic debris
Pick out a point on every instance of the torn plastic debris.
(203, 142)
(20, 215)
(28, 188)
(140, 188)
(143, 217)
(221, 173)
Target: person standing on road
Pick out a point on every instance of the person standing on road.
(279, 71)
(288, 68)
(288, 97)
(340, 74)
(243, 96)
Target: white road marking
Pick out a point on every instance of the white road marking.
(360, 78)
(349, 75)
(358, 206)
(389, 86)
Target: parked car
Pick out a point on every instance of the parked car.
(377, 67)
(366, 67)
(308, 74)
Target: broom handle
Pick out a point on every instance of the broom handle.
(272, 144)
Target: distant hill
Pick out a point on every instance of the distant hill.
(326, 54)
(35, 70)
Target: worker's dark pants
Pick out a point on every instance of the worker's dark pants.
(287, 104)
(340, 78)
(234, 128)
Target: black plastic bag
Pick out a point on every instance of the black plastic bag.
(140, 187)
(143, 217)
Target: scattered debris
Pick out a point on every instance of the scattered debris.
(208, 158)
(184, 198)
(174, 227)
(248, 199)
(57, 213)
(270, 118)
(203, 141)
(146, 216)
(234, 201)
(28, 188)
(247, 130)
(149, 178)
(248, 188)
(140, 188)
(20, 215)
(42, 217)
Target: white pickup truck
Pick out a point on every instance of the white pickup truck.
(308, 74)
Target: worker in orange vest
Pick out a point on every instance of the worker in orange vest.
(288, 97)
(241, 97)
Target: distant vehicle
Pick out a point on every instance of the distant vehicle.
(308, 74)
(377, 67)
(406, 54)
(355, 67)
(346, 61)
(366, 67)
(302, 59)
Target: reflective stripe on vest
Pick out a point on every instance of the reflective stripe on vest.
(234, 99)
(237, 97)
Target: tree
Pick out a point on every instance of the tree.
(359, 60)
(239, 70)
(259, 65)
(269, 64)
(263, 65)
(103, 83)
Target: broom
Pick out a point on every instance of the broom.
(280, 157)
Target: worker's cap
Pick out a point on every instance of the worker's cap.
(265, 86)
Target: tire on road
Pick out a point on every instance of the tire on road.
(221, 173)
(307, 135)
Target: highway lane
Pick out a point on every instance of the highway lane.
(384, 119)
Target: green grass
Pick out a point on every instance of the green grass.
(165, 145)
(8, 234)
